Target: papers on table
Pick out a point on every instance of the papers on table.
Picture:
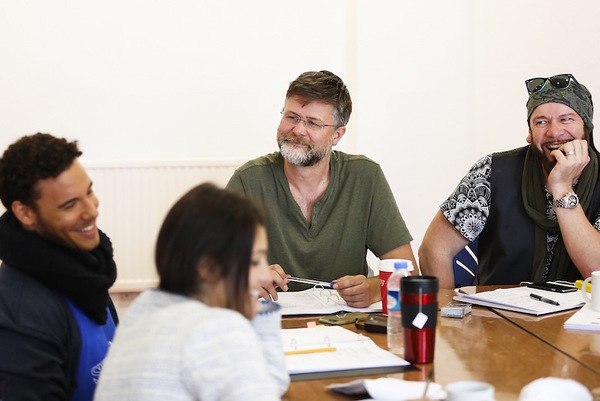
(518, 300)
(317, 301)
(390, 389)
(584, 319)
(345, 353)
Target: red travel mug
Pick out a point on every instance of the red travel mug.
(419, 317)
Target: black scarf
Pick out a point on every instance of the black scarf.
(534, 201)
(83, 276)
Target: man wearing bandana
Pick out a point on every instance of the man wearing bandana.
(534, 210)
(56, 316)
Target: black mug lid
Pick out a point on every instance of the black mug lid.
(426, 284)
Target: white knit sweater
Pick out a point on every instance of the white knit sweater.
(169, 347)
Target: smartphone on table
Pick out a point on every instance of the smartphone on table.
(553, 287)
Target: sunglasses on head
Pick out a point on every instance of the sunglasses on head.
(560, 81)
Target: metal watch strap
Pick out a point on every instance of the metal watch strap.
(569, 201)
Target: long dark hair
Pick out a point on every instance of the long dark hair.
(208, 222)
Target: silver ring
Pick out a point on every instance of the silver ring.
(570, 152)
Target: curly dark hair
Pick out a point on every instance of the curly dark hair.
(31, 159)
(323, 86)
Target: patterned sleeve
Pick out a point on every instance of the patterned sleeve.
(468, 207)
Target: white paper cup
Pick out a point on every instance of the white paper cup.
(470, 391)
(594, 300)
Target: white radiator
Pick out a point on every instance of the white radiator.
(134, 199)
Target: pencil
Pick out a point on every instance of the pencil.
(310, 350)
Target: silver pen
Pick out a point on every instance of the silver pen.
(311, 282)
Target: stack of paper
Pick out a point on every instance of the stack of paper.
(519, 299)
(333, 351)
(317, 301)
(584, 319)
(388, 388)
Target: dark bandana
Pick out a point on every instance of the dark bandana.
(576, 96)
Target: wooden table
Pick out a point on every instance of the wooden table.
(580, 345)
(487, 346)
(583, 346)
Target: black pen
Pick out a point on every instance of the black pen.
(546, 300)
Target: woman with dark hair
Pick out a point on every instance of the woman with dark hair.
(203, 334)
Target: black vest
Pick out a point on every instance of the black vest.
(505, 246)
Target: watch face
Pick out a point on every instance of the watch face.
(572, 201)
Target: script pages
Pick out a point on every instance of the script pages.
(584, 319)
(317, 301)
(333, 351)
(518, 299)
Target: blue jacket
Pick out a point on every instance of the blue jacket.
(41, 342)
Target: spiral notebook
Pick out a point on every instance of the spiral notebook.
(317, 301)
(332, 351)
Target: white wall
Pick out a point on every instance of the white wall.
(143, 80)
(441, 84)
(436, 84)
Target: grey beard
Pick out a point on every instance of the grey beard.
(300, 158)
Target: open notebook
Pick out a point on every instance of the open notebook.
(317, 301)
(333, 351)
(518, 299)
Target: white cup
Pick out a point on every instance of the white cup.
(388, 264)
(595, 299)
(470, 391)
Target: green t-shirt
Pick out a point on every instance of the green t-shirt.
(357, 212)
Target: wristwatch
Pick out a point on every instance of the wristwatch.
(570, 201)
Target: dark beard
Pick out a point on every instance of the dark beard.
(547, 165)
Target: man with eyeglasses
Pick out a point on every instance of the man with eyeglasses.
(324, 208)
(534, 210)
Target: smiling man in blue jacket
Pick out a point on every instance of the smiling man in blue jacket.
(56, 316)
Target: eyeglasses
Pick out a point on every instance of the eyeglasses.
(311, 124)
(561, 81)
